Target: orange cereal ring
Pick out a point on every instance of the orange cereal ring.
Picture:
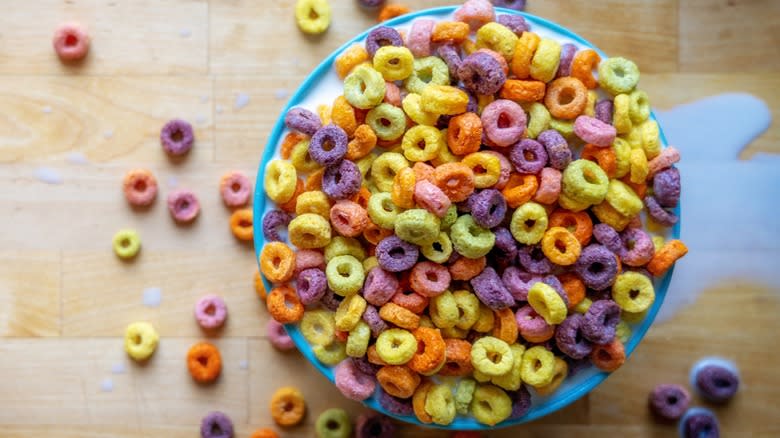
(431, 351)
(566, 98)
(458, 362)
(604, 157)
(639, 189)
(348, 60)
(608, 357)
(348, 218)
(464, 134)
(400, 316)
(373, 356)
(561, 246)
(398, 380)
(456, 180)
(520, 189)
(341, 336)
(450, 32)
(289, 206)
(523, 91)
(418, 402)
(579, 223)
(665, 257)
(290, 140)
(204, 362)
(287, 406)
(582, 66)
(574, 288)
(314, 181)
(422, 171)
(259, 286)
(284, 305)
(264, 433)
(140, 187)
(362, 144)
(464, 268)
(505, 327)
(374, 233)
(524, 52)
(343, 115)
(391, 11)
(402, 193)
(362, 196)
(241, 224)
(277, 262)
(411, 300)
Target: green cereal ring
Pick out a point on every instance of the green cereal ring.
(538, 119)
(623, 198)
(412, 105)
(547, 303)
(429, 70)
(331, 354)
(382, 211)
(585, 181)
(583, 306)
(300, 158)
(468, 309)
(341, 245)
(571, 204)
(440, 404)
(384, 168)
(318, 327)
(357, 341)
(633, 318)
(469, 239)
(481, 377)
(364, 88)
(439, 250)
(490, 404)
(622, 157)
(491, 356)
(349, 312)
(463, 394)
(345, 275)
(309, 230)
(370, 263)
(538, 366)
(443, 310)
(126, 243)
(512, 380)
(364, 164)
(449, 218)
(529, 222)
(431, 139)
(633, 292)
(618, 75)
(280, 181)
(650, 136)
(639, 106)
(623, 331)
(395, 63)
(498, 38)
(418, 226)
(564, 127)
(396, 346)
(387, 121)
(333, 423)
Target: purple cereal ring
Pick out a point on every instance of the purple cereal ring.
(603, 110)
(302, 120)
(311, 285)
(353, 383)
(342, 181)
(515, 23)
(504, 252)
(567, 55)
(396, 255)
(210, 311)
(308, 258)
(216, 425)
(519, 282)
(475, 13)
(663, 217)
(553, 282)
(666, 187)
(363, 365)
(450, 53)
(236, 189)
(530, 324)
(373, 425)
(699, 423)
(669, 401)
(419, 39)
(491, 290)
(379, 286)
(503, 121)
(488, 208)
(715, 379)
(272, 221)
(600, 320)
(278, 336)
(594, 131)
(637, 247)
(328, 145)
(529, 156)
(558, 151)
(183, 205)
(380, 37)
(177, 137)
(570, 339)
(395, 405)
(331, 300)
(533, 259)
(371, 3)
(430, 197)
(375, 323)
(517, 5)
(506, 169)
(521, 402)
(482, 74)
(607, 236)
(597, 267)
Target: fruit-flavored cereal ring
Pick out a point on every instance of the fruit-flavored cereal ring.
(456, 180)
(71, 42)
(349, 59)
(422, 143)
(278, 337)
(393, 63)
(597, 267)
(126, 243)
(216, 425)
(241, 224)
(566, 98)
(512, 120)
(396, 255)
(491, 356)
(427, 71)
(518, 282)
(464, 134)
(417, 226)
(280, 181)
(311, 284)
(345, 274)
(666, 256)
(277, 262)
(666, 158)
(450, 32)
(608, 357)
(349, 312)
(348, 218)
(440, 404)
(561, 246)
(342, 181)
(469, 239)
(353, 383)
(312, 16)
(465, 268)
(141, 340)
(558, 151)
(432, 198)
(443, 99)
(430, 353)
(210, 311)
(333, 423)
(458, 358)
(235, 188)
(560, 371)
(524, 52)
(600, 321)
(475, 13)
(592, 130)
(585, 181)
(204, 362)
(620, 116)
(287, 406)
(364, 88)
(344, 246)
(520, 189)
(618, 75)
(497, 38)
(579, 223)
(419, 38)
(547, 302)
(604, 156)
(485, 167)
(636, 248)
(538, 119)
(544, 64)
(715, 379)
(399, 316)
(574, 288)
(633, 292)
(537, 368)
(529, 222)
(184, 205)
(488, 208)
(532, 258)
(303, 121)
(318, 327)
(481, 73)
(284, 305)
(582, 66)
(523, 90)
(177, 137)
(666, 187)
(429, 279)
(603, 111)
(490, 405)
(570, 339)
(506, 327)
(669, 401)
(396, 347)
(443, 310)
(140, 187)
(374, 425)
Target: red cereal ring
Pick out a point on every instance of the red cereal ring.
(348, 218)
(398, 380)
(608, 357)
(456, 180)
(140, 187)
(412, 301)
(458, 362)
(284, 305)
(603, 156)
(430, 351)
(464, 134)
(579, 223)
(236, 189)
(71, 42)
(464, 268)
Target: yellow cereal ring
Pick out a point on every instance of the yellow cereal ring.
(412, 105)
(639, 106)
(468, 309)
(622, 157)
(315, 202)
(529, 222)
(490, 405)
(547, 303)
(357, 341)
(345, 275)
(564, 127)
(485, 320)
(312, 16)
(331, 354)
(364, 88)
(650, 134)
(280, 181)
(349, 312)
(444, 99)
(545, 62)
(538, 366)
(584, 181)
(638, 166)
(590, 105)
(621, 119)
(607, 214)
(341, 245)
(429, 137)
(538, 119)
(382, 210)
(396, 346)
(394, 63)
(309, 231)
(440, 404)
(300, 158)
(560, 371)
(497, 38)
(633, 292)
(571, 204)
(343, 115)
(384, 169)
(623, 198)
(512, 380)
(583, 306)
(444, 310)
(126, 243)
(491, 356)
(141, 340)
(318, 327)
(486, 168)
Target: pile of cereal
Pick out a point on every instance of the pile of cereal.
(469, 207)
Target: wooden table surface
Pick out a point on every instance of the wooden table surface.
(65, 299)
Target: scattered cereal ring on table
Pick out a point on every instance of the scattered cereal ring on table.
(216, 425)
(373, 425)
(140, 187)
(715, 379)
(210, 311)
(183, 205)
(287, 406)
(699, 423)
(669, 401)
(241, 224)
(141, 340)
(264, 433)
(204, 362)
(126, 243)
(333, 423)
(71, 42)
(312, 16)
(177, 137)
(235, 188)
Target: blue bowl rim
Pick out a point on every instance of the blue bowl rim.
(552, 405)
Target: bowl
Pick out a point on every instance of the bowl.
(323, 85)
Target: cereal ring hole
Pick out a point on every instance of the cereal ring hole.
(137, 339)
(495, 356)
(203, 360)
(537, 364)
(560, 246)
(182, 204)
(529, 223)
(479, 170)
(672, 400)
(125, 242)
(215, 429)
(177, 135)
(566, 96)
(596, 267)
(484, 404)
(332, 425)
(503, 121)
(210, 310)
(140, 186)
(633, 294)
(235, 187)
(313, 15)
(71, 40)
(387, 203)
(604, 355)
(722, 383)
(618, 71)
(244, 223)
(590, 177)
(431, 276)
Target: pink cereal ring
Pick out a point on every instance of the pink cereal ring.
(392, 94)
(430, 197)
(664, 160)
(429, 279)
(533, 328)
(177, 137)
(549, 186)
(278, 336)
(352, 382)
(210, 311)
(308, 258)
(503, 122)
(140, 187)
(419, 39)
(71, 42)
(506, 169)
(475, 13)
(236, 189)
(594, 131)
(183, 205)
(498, 57)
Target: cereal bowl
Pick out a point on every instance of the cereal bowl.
(323, 86)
